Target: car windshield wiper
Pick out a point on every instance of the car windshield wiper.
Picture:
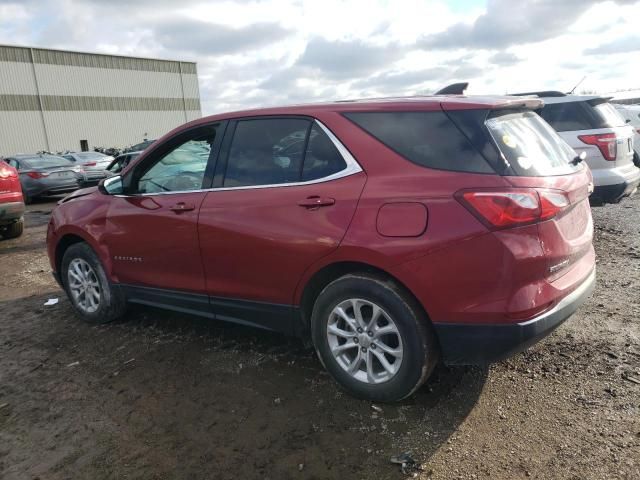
(579, 158)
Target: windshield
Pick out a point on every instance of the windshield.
(530, 145)
(47, 162)
(610, 115)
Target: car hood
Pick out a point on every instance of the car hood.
(83, 192)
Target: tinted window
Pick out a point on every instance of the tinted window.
(183, 167)
(530, 145)
(322, 157)
(429, 139)
(570, 116)
(266, 152)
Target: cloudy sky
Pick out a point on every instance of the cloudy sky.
(266, 52)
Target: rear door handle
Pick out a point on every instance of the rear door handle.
(182, 207)
(316, 202)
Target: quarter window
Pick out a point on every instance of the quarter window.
(183, 167)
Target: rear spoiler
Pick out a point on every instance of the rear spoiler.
(598, 101)
(494, 103)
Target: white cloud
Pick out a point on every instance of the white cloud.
(266, 52)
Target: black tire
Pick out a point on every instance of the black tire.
(14, 230)
(420, 347)
(112, 303)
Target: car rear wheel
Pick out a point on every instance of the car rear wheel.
(373, 337)
(13, 230)
(87, 286)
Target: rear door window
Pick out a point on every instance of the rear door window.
(275, 151)
(428, 139)
(322, 158)
(530, 145)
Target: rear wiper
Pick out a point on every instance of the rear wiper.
(579, 158)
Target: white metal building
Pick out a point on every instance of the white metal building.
(58, 100)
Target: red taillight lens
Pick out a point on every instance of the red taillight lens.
(512, 208)
(90, 164)
(606, 142)
(37, 175)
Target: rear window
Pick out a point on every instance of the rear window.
(530, 145)
(582, 115)
(46, 162)
(428, 139)
(570, 116)
(610, 116)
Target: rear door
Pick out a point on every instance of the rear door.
(286, 193)
(152, 231)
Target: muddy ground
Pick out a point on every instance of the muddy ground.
(162, 396)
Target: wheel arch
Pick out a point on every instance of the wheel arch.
(328, 273)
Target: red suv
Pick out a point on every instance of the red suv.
(393, 233)
(11, 202)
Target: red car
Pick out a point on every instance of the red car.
(11, 202)
(393, 233)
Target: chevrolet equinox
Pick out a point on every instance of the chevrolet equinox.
(392, 233)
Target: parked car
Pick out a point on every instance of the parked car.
(120, 162)
(590, 124)
(403, 232)
(631, 113)
(42, 175)
(11, 202)
(93, 164)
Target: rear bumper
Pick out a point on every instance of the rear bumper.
(10, 212)
(482, 344)
(614, 193)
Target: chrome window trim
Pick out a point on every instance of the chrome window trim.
(352, 168)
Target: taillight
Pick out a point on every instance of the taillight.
(90, 164)
(5, 172)
(514, 207)
(37, 175)
(606, 142)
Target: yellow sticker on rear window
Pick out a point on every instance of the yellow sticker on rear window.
(509, 141)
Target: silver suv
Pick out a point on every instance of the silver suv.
(590, 124)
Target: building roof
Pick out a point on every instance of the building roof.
(104, 54)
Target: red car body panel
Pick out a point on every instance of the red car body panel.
(257, 243)
(260, 245)
(11, 199)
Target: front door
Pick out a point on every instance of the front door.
(153, 237)
(285, 200)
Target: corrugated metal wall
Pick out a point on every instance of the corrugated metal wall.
(50, 99)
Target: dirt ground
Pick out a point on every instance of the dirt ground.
(163, 396)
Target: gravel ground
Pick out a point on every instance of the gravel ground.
(160, 395)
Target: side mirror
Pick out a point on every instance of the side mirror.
(111, 186)
(582, 155)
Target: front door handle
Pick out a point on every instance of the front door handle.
(182, 207)
(316, 202)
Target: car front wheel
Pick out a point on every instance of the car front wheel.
(373, 337)
(87, 286)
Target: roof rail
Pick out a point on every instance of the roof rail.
(543, 93)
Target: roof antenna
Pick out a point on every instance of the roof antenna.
(453, 89)
(577, 85)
